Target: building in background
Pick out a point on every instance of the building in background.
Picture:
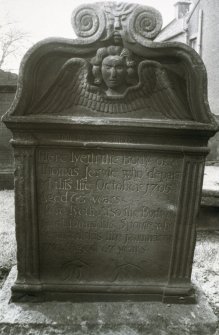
(196, 23)
(8, 86)
(176, 30)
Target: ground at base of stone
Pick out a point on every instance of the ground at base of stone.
(125, 318)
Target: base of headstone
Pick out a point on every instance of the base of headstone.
(23, 292)
(111, 318)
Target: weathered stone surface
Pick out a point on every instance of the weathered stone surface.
(8, 86)
(103, 21)
(109, 153)
(125, 318)
(205, 273)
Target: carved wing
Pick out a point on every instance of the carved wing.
(68, 89)
(155, 94)
(161, 92)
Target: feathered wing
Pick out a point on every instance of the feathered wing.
(161, 91)
(68, 89)
(154, 93)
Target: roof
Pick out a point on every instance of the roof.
(174, 28)
(183, 2)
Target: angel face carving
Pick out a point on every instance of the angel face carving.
(117, 15)
(114, 74)
(115, 67)
(114, 82)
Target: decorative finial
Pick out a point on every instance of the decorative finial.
(116, 21)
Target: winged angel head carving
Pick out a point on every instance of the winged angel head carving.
(114, 66)
(113, 82)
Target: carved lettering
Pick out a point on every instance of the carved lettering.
(107, 203)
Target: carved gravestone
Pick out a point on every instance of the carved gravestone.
(8, 85)
(110, 135)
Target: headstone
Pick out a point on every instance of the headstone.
(8, 85)
(110, 135)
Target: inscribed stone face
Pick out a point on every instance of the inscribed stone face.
(106, 215)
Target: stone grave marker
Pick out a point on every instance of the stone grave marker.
(8, 85)
(110, 136)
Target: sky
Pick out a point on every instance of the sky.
(52, 18)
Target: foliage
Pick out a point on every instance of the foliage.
(13, 41)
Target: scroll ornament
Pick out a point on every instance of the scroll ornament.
(114, 20)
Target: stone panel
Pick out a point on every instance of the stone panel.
(99, 217)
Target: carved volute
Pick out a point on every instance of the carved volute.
(116, 21)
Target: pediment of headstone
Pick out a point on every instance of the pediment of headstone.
(153, 82)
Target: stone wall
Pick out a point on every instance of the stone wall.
(7, 92)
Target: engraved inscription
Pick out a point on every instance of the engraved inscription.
(106, 213)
